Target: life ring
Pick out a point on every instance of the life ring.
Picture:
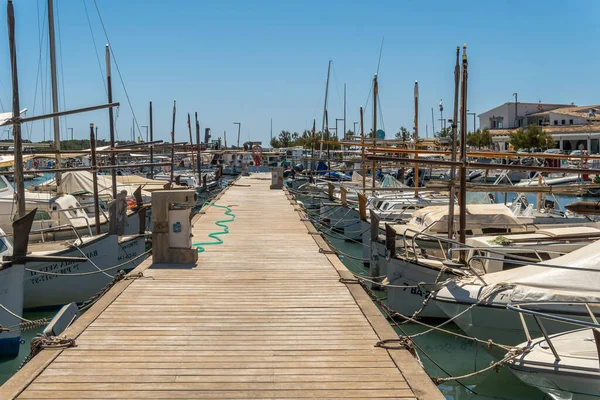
(257, 150)
(257, 153)
(584, 161)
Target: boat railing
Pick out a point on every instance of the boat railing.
(445, 251)
(57, 227)
(71, 218)
(522, 309)
(515, 258)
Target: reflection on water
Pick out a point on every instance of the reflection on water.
(452, 355)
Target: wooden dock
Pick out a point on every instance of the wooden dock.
(261, 316)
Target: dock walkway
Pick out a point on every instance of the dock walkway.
(263, 316)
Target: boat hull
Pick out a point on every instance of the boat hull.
(50, 291)
(11, 297)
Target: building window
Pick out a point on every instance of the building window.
(539, 122)
(555, 122)
(563, 122)
(570, 122)
(499, 124)
(493, 124)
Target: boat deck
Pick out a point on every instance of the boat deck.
(263, 316)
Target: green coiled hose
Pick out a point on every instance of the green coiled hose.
(215, 235)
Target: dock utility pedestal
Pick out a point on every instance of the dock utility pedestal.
(172, 228)
(276, 178)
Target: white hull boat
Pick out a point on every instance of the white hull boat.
(52, 287)
(575, 376)
(480, 309)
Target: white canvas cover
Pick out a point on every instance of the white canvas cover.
(82, 180)
(537, 283)
(478, 216)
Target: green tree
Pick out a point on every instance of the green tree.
(443, 133)
(402, 134)
(275, 143)
(533, 136)
(479, 138)
(285, 139)
(348, 135)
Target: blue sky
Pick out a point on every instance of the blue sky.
(250, 61)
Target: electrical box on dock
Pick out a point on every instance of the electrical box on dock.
(172, 227)
(180, 234)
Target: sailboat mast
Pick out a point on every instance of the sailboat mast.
(111, 125)
(325, 105)
(151, 146)
(199, 156)
(375, 93)
(416, 137)
(452, 193)
(173, 142)
(362, 147)
(192, 144)
(463, 152)
(54, 80)
(343, 137)
(95, 179)
(18, 161)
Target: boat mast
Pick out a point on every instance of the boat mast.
(151, 146)
(375, 92)
(18, 161)
(111, 125)
(325, 106)
(192, 144)
(452, 193)
(95, 179)
(198, 149)
(416, 137)
(343, 137)
(312, 146)
(54, 79)
(173, 142)
(463, 152)
(362, 147)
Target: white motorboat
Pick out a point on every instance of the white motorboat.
(55, 283)
(564, 365)
(479, 305)
(483, 255)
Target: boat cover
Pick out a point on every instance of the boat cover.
(538, 283)
(478, 216)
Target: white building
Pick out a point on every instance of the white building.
(572, 127)
(505, 117)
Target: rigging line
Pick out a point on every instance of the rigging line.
(380, 112)
(337, 88)
(380, 52)
(95, 47)
(62, 73)
(118, 69)
(39, 72)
